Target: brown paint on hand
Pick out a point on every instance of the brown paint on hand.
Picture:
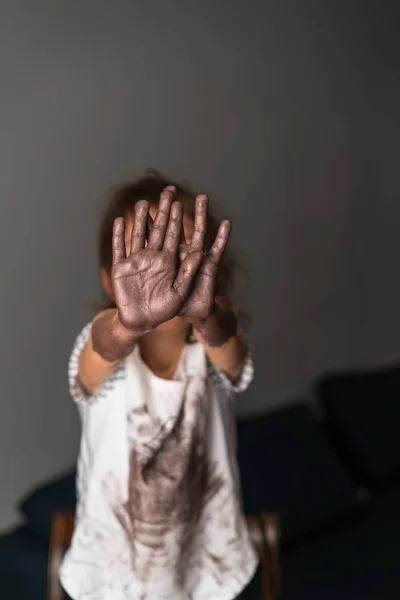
(200, 303)
(150, 285)
(220, 326)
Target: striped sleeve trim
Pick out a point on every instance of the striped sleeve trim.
(76, 389)
(225, 385)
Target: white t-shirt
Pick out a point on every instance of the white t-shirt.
(159, 513)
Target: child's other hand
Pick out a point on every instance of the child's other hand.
(200, 304)
(149, 285)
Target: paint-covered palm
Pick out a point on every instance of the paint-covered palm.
(151, 284)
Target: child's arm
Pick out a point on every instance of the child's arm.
(224, 342)
(149, 286)
(108, 344)
(213, 318)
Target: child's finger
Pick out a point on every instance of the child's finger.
(118, 241)
(161, 221)
(217, 249)
(187, 272)
(173, 234)
(138, 237)
(200, 222)
(183, 246)
(149, 227)
(182, 236)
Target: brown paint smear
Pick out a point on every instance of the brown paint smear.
(167, 493)
(178, 504)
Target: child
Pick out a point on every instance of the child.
(159, 511)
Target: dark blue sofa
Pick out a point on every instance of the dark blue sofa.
(332, 474)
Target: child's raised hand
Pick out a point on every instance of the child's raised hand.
(149, 285)
(200, 303)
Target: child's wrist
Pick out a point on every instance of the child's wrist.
(111, 339)
(220, 326)
(125, 334)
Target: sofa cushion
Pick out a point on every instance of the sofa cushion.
(286, 465)
(40, 505)
(359, 560)
(23, 565)
(363, 414)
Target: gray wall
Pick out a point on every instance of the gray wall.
(285, 112)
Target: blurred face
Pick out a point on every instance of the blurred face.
(177, 323)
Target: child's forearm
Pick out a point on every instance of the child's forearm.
(224, 342)
(109, 343)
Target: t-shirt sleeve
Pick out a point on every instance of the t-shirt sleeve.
(222, 382)
(76, 388)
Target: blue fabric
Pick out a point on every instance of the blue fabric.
(23, 566)
(363, 413)
(42, 503)
(359, 561)
(287, 466)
